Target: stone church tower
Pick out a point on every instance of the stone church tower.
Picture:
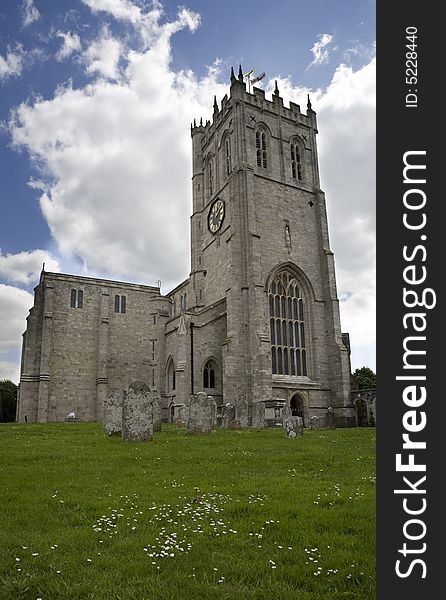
(258, 316)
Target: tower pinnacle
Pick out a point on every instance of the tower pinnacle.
(309, 102)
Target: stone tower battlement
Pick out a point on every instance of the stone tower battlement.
(257, 99)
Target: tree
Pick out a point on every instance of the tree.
(366, 378)
(8, 400)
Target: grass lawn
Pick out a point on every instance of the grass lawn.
(234, 514)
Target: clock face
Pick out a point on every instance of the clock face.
(216, 216)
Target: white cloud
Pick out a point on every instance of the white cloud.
(11, 64)
(320, 50)
(29, 13)
(147, 24)
(10, 370)
(71, 43)
(119, 9)
(347, 153)
(14, 307)
(118, 156)
(102, 56)
(25, 267)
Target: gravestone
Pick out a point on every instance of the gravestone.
(112, 422)
(315, 422)
(213, 412)
(156, 411)
(258, 414)
(294, 427)
(182, 415)
(228, 415)
(242, 412)
(286, 412)
(330, 419)
(72, 417)
(137, 413)
(202, 413)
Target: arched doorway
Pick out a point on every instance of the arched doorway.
(297, 406)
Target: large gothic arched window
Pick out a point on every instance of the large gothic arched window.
(287, 329)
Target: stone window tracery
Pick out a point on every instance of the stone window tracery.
(261, 150)
(209, 372)
(287, 328)
(296, 160)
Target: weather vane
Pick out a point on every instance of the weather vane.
(255, 80)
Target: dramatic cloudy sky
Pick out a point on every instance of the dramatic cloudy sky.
(96, 100)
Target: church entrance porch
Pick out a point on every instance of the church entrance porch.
(297, 406)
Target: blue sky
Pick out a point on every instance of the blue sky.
(68, 69)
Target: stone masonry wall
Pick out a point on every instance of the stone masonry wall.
(76, 370)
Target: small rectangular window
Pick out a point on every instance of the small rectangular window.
(120, 304)
(77, 299)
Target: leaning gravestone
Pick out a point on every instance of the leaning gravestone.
(113, 413)
(137, 413)
(228, 415)
(294, 427)
(202, 413)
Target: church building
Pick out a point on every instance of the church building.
(258, 316)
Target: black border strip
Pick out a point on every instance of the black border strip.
(404, 127)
